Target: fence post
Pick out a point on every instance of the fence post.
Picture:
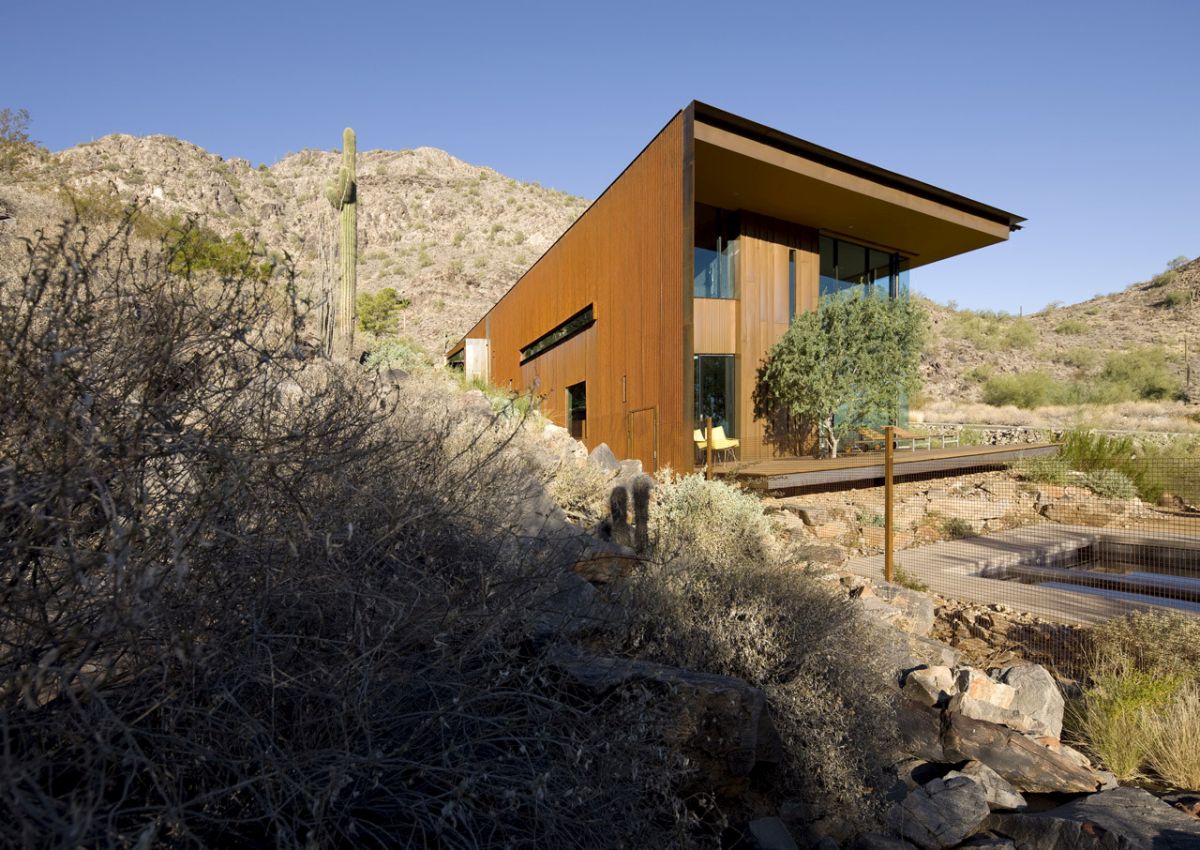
(708, 470)
(889, 434)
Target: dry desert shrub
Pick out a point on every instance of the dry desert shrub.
(718, 594)
(249, 600)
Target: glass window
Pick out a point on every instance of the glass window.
(715, 252)
(580, 321)
(880, 272)
(791, 285)
(848, 267)
(715, 391)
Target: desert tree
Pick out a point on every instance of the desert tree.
(849, 361)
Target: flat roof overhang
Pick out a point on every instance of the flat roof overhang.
(742, 165)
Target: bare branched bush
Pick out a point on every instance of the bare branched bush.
(250, 600)
(719, 594)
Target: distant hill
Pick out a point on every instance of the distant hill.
(453, 237)
(1072, 345)
(449, 236)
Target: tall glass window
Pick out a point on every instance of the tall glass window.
(715, 252)
(716, 391)
(848, 267)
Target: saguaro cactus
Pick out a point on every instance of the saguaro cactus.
(343, 195)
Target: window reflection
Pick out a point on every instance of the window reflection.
(850, 267)
(715, 390)
(715, 252)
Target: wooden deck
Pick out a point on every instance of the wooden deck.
(790, 473)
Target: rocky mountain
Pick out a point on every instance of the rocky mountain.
(449, 236)
(453, 237)
(1154, 318)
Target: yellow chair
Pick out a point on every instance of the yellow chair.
(720, 442)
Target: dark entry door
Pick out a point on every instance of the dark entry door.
(577, 410)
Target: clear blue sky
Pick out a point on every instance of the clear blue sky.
(1082, 116)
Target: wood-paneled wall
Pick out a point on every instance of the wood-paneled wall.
(764, 311)
(624, 255)
(716, 325)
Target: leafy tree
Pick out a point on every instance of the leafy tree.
(847, 362)
(15, 143)
(197, 249)
(380, 313)
(1178, 263)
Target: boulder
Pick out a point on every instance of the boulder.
(1025, 763)
(907, 610)
(1092, 511)
(930, 685)
(817, 553)
(811, 515)
(832, 530)
(920, 729)
(902, 651)
(978, 709)
(1001, 796)
(873, 537)
(979, 686)
(1036, 697)
(988, 841)
(1124, 818)
(723, 722)
(941, 813)
(630, 469)
(602, 456)
(771, 834)
(875, 841)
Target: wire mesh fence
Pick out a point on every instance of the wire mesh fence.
(1024, 557)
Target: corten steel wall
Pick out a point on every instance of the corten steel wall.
(625, 256)
(764, 312)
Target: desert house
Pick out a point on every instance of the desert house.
(655, 308)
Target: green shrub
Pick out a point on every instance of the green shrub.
(1177, 298)
(1145, 371)
(716, 523)
(1111, 484)
(1174, 740)
(870, 518)
(1079, 357)
(1045, 470)
(1141, 708)
(1112, 716)
(957, 528)
(1160, 280)
(1027, 390)
(1163, 643)
(980, 373)
(972, 437)
(379, 313)
(1072, 327)
(990, 330)
(903, 578)
(1088, 451)
(398, 354)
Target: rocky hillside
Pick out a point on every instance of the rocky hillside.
(1067, 343)
(453, 237)
(449, 236)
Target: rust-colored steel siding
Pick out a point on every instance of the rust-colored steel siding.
(624, 256)
(763, 310)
